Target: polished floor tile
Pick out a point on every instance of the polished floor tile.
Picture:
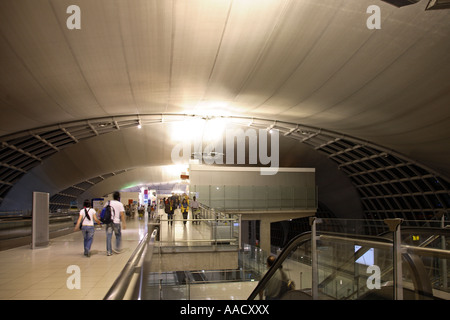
(45, 273)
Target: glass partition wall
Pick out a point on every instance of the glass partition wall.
(264, 198)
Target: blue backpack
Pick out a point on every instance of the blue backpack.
(107, 214)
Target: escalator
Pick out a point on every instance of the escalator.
(356, 267)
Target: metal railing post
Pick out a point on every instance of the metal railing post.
(394, 226)
(314, 263)
(188, 288)
(160, 289)
(443, 261)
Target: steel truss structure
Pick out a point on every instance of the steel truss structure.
(389, 184)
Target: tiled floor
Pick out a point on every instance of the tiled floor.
(44, 273)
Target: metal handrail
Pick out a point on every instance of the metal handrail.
(145, 268)
(121, 284)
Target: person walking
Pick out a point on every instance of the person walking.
(194, 208)
(118, 223)
(168, 210)
(184, 210)
(172, 210)
(278, 283)
(86, 224)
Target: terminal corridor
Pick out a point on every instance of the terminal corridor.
(288, 121)
(40, 274)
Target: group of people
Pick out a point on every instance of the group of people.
(88, 216)
(275, 288)
(174, 202)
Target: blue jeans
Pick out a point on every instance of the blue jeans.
(109, 231)
(88, 235)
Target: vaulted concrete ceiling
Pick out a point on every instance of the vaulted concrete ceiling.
(308, 62)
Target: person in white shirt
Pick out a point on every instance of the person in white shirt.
(118, 216)
(195, 211)
(86, 224)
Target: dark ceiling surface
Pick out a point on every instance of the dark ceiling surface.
(304, 67)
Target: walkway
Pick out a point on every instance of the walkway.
(177, 233)
(41, 274)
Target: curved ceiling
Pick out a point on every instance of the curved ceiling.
(118, 158)
(302, 62)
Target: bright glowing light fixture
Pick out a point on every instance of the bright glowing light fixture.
(204, 129)
(214, 129)
(211, 109)
(187, 130)
(175, 170)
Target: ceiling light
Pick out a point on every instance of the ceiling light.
(199, 129)
(270, 128)
(187, 130)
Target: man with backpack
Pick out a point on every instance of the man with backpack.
(112, 215)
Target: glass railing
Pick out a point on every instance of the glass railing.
(254, 259)
(404, 263)
(207, 227)
(198, 284)
(184, 285)
(209, 232)
(266, 198)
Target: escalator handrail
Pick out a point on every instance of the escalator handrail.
(293, 244)
(306, 236)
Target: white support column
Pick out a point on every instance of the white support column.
(40, 228)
